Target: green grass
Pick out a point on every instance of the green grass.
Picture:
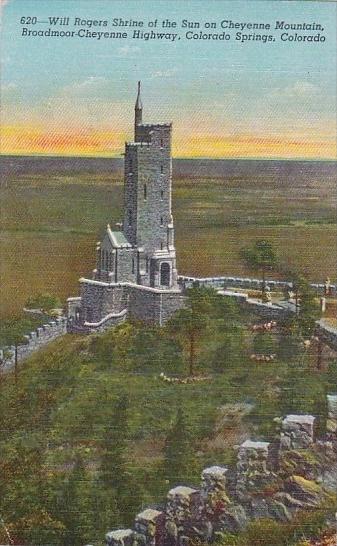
(62, 402)
(49, 225)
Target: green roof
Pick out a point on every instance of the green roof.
(118, 239)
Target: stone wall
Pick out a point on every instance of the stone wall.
(273, 480)
(34, 341)
(98, 299)
(151, 305)
(103, 305)
(248, 284)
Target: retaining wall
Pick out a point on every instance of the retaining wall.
(229, 497)
(34, 340)
(249, 283)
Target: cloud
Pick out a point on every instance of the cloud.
(302, 89)
(127, 50)
(299, 89)
(9, 92)
(10, 86)
(86, 88)
(169, 73)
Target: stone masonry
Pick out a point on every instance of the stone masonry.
(202, 514)
(33, 341)
(135, 273)
(252, 467)
(297, 432)
(332, 414)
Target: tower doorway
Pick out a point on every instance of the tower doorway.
(165, 274)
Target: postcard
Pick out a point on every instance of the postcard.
(168, 291)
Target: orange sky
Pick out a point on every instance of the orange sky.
(30, 140)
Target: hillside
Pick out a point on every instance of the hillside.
(64, 415)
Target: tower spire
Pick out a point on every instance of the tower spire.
(138, 109)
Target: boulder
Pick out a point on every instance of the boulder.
(308, 492)
(297, 432)
(279, 511)
(120, 537)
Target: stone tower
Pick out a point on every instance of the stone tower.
(148, 222)
(135, 272)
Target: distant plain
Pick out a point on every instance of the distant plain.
(53, 210)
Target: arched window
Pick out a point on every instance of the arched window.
(147, 264)
(165, 274)
(133, 265)
(161, 194)
(161, 221)
(161, 169)
(161, 143)
(130, 217)
(145, 192)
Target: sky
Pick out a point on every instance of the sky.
(230, 99)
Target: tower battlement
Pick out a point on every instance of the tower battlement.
(141, 257)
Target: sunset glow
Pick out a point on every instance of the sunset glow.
(231, 100)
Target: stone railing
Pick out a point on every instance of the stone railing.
(259, 486)
(110, 320)
(248, 283)
(36, 339)
(277, 311)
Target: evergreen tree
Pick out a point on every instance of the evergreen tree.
(115, 476)
(293, 389)
(190, 324)
(113, 468)
(229, 354)
(260, 257)
(264, 343)
(104, 511)
(307, 308)
(75, 506)
(179, 458)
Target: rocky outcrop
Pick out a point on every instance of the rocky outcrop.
(271, 480)
(307, 492)
(332, 414)
(297, 432)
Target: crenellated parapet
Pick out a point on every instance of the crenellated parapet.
(257, 487)
(33, 341)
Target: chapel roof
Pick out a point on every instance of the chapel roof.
(118, 239)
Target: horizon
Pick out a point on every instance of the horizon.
(186, 158)
(232, 101)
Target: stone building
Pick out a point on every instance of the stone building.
(136, 272)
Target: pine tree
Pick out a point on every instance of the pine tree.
(113, 466)
(230, 353)
(76, 510)
(179, 458)
(115, 476)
